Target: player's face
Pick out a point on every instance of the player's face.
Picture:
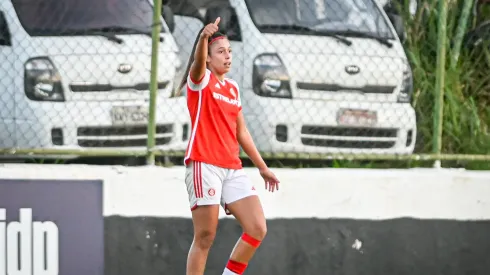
(220, 56)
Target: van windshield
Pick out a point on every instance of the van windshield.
(66, 17)
(319, 15)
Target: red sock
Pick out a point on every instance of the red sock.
(236, 267)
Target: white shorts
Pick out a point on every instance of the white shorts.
(209, 184)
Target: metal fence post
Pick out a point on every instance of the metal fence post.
(440, 74)
(157, 10)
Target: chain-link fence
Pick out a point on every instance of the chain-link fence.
(77, 75)
(318, 79)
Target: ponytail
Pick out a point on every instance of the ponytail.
(183, 82)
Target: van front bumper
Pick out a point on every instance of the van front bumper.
(89, 125)
(308, 126)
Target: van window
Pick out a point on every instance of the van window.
(194, 8)
(319, 15)
(67, 17)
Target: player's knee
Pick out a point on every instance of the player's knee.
(204, 238)
(261, 230)
(258, 230)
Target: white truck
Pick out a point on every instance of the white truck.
(315, 76)
(76, 74)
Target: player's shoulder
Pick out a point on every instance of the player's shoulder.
(197, 84)
(232, 82)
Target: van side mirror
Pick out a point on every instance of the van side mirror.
(229, 21)
(5, 37)
(168, 17)
(397, 22)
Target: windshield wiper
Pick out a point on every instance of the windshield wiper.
(133, 30)
(110, 36)
(382, 40)
(308, 30)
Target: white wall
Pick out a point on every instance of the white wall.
(322, 193)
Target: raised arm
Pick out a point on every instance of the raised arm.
(198, 67)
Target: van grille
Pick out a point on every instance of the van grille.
(348, 137)
(122, 136)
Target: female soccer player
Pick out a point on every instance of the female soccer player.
(214, 173)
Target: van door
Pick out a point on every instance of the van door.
(7, 85)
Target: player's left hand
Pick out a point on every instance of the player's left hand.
(271, 181)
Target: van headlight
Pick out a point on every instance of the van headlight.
(270, 77)
(406, 88)
(42, 81)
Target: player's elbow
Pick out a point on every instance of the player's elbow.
(243, 135)
(240, 138)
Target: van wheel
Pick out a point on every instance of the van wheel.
(124, 161)
(167, 161)
(133, 161)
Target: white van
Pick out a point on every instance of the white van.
(76, 75)
(315, 76)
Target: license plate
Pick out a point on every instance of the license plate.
(123, 115)
(352, 117)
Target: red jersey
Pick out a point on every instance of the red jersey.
(213, 106)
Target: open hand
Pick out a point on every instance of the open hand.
(271, 181)
(210, 29)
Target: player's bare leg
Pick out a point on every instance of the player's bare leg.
(205, 220)
(249, 213)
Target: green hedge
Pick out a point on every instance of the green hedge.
(467, 84)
